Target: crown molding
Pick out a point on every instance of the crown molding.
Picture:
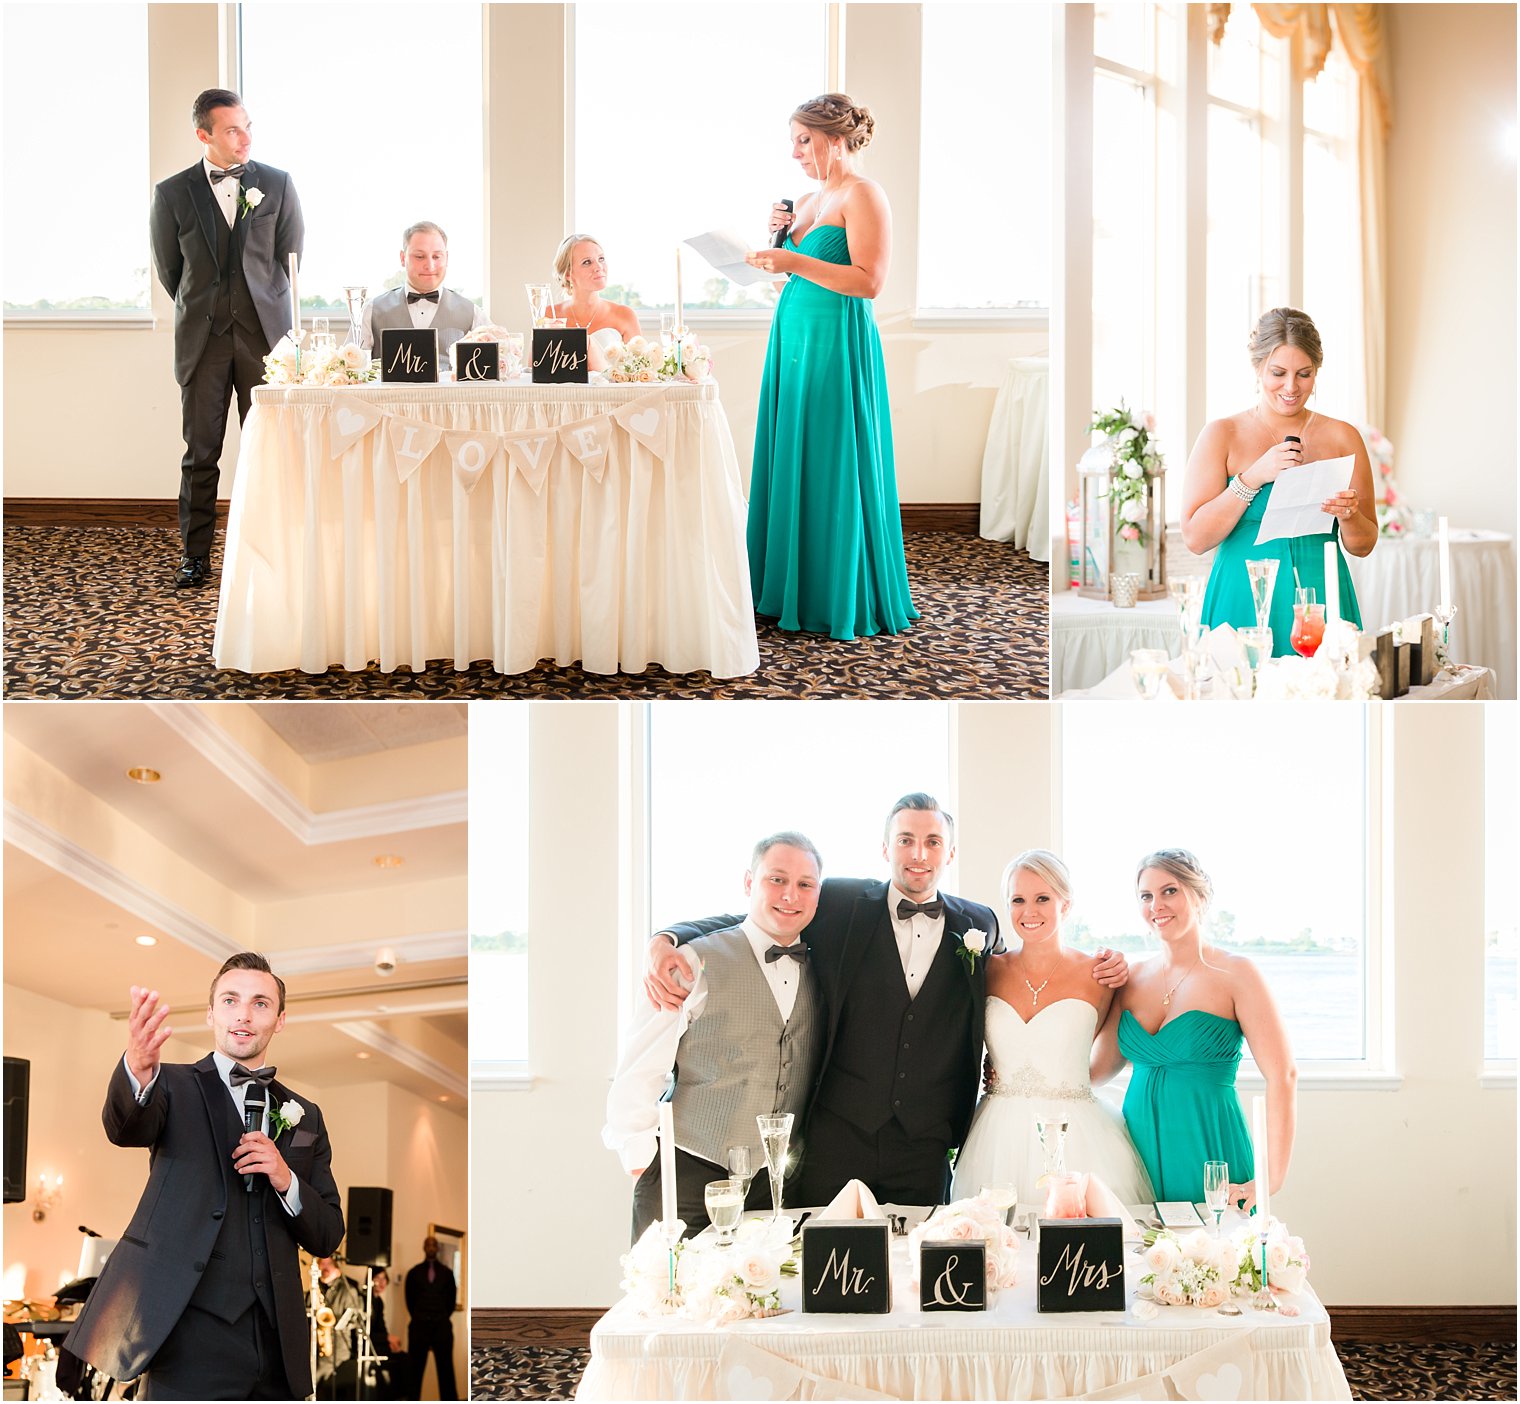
(349, 955)
(372, 1035)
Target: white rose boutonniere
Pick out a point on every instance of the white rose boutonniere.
(286, 1117)
(973, 944)
(249, 199)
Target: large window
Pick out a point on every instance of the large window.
(984, 243)
(723, 777)
(499, 868)
(1501, 832)
(681, 116)
(1285, 842)
(375, 112)
(76, 227)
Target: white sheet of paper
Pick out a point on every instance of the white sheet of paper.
(1178, 1213)
(1296, 494)
(725, 250)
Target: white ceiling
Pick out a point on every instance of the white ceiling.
(324, 731)
(66, 940)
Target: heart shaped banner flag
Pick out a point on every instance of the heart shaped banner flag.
(648, 420)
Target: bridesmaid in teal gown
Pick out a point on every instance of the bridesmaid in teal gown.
(1181, 1021)
(1232, 469)
(825, 531)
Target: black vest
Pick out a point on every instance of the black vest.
(237, 1272)
(234, 303)
(893, 1057)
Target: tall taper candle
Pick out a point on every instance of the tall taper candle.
(1332, 582)
(667, 1164)
(680, 316)
(1445, 547)
(1263, 1171)
(295, 301)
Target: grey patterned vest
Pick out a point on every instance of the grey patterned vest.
(454, 317)
(739, 1060)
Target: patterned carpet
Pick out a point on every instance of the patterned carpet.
(1374, 1371)
(90, 612)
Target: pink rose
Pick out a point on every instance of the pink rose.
(1277, 1255)
(1213, 1295)
(1130, 533)
(1168, 1295)
(962, 1229)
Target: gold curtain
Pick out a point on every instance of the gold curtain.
(1360, 31)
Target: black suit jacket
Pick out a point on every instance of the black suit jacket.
(156, 1265)
(428, 1303)
(849, 911)
(184, 235)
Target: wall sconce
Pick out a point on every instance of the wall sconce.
(46, 1196)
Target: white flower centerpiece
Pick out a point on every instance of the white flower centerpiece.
(975, 1220)
(714, 1283)
(1122, 506)
(287, 364)
(1204, 1271)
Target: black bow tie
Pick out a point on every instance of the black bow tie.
(796, 950)
(231, 173)
(412, 297)
(932, 908)
(239, 1075)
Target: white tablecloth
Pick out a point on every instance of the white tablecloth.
(1016, 461)
(1403, 577)
(338, 562)
(1090, 638)
(1008, 1352)
(1471, 684)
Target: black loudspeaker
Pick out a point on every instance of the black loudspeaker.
(369, 1226)
(18, 1078)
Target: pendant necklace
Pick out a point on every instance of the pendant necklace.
(1167, 998)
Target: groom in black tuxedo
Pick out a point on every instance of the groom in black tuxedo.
(223, 232)
(203, 1290)
(905, 1003)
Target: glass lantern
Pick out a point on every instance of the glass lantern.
(1103, 551)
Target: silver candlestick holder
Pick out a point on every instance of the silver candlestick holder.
(1444, 615)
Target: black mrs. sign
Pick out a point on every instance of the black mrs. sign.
(844, 1267)
(559, 356)
(409, 354)
(952, 1276)
(1081, 1265)
(477, 360)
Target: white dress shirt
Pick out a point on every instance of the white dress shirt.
(918, 938)
(421, 312)
(291, 1199)
(224, 192)
(650, 1053)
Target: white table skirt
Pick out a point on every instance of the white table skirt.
(1403, 577)
(338, 562)
(1090, 638)
(1008, 1352)
(1016, 461)
(1470, 684)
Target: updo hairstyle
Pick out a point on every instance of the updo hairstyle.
(835, 115)
(1045, 866)
(563, 258)
(1284, 326)
(1178, 862)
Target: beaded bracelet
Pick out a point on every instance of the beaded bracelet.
(1244, 493)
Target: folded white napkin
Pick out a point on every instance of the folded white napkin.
(854, 1201)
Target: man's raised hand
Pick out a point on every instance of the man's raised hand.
(146, 1034)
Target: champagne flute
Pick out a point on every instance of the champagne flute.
(1216, 1189)
(1263, 578)
(725, 1207)
(1147, 669)
(775, 1136)
(739, 1167)
(1052, 1133)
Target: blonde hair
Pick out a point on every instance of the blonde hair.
(1044, 865)
(564, 256)
(836, 115)
(1284, 326)
(1183, 866)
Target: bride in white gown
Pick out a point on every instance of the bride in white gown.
(1044, 1010)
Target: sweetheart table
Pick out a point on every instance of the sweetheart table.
(601, 525)
(1008, 1352)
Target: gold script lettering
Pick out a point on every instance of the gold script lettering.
(405, 360)
(1091, 1274)
(852, 1281)
(946, 1290)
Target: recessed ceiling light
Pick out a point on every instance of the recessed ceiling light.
(361, 1054)
(388, 860)
(146, 940)
(443, 1096)
(144, 775)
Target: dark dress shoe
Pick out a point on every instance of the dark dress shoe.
(193, 570)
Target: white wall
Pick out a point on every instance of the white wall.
(942, 382)
(1439, 1150)
(1451, 274)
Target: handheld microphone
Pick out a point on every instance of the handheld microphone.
(1292, 439)
(780, 236)
(254, 1102)
(87, 1231)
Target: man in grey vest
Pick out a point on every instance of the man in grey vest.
(754, 990)
(422, 300)
(203, 1290)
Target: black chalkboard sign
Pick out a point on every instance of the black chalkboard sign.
(560, 356)
(477, 360)
(1081, 1265)
(409, 355)
(952, 1276)
(844, 1267)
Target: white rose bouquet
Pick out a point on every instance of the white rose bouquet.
(1135, 461)
(713, 1283)
(1316, 679)
(1201, 1270)
(636, 361)
(282, 366)
(333, 365)
(976, 1220)
(695, 362)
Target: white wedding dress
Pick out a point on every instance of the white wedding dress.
(1042, 1069)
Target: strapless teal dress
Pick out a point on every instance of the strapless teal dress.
(1181, 1107)
(1227, 597)
(825, 531)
